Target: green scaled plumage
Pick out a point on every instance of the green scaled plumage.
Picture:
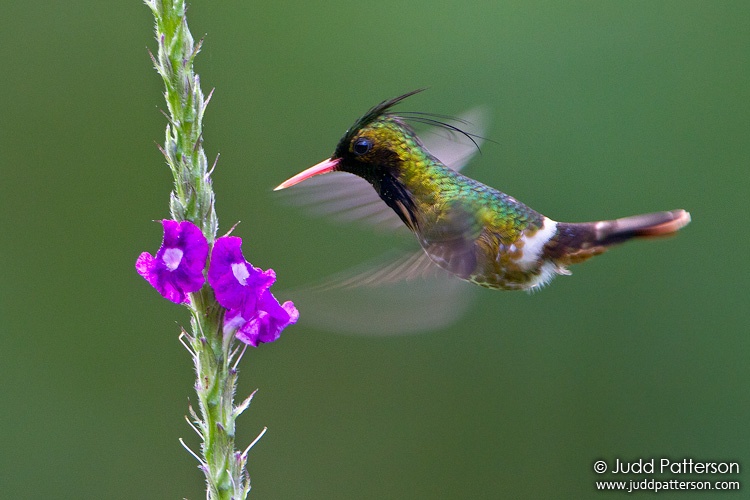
(467, 228)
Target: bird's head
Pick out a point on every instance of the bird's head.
(377, 148)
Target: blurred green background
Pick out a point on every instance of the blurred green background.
(599, 110)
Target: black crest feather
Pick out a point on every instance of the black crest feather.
(383, 109)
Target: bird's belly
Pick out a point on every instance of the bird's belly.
(511, 278)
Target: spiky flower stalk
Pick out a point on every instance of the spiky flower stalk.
(193, 197)
(214, 353)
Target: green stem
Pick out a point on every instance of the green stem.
(193, 199)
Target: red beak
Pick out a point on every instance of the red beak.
(323, 167)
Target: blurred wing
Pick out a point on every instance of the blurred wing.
(343, 197)
(453, 148)
(392, 296)
(348, 198)
(452, 243)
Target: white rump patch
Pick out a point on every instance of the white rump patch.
(533, 245)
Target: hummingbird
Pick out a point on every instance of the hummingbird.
(466, 228)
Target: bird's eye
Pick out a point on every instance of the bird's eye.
(362, 146)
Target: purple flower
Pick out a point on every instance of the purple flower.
(178, 266)
(266, 324)
(237, 284)
(243, 290)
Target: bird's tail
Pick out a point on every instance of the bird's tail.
(576, 242)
